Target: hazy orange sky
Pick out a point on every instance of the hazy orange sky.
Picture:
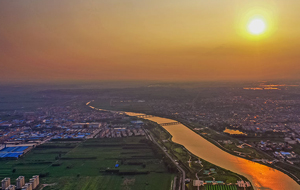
(47, 40)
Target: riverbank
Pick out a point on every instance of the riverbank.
(194, 166)
(260, 175)
(188, 125)
(213, 141)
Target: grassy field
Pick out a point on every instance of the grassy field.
(220, 187)
(91, 165)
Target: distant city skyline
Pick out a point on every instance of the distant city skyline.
(147, 40)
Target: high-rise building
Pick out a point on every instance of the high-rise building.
(37, 177)
(5, 183)
(20, 182)
(28, 186)
(33, 182)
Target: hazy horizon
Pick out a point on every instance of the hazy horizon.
(58, 41)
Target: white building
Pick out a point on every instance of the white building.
(198, 183)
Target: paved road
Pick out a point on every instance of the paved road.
(178, 167)
(198, 177)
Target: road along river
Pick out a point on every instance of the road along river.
(261, 176)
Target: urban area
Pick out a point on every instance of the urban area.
(259, 123)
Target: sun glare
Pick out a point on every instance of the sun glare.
(256, 26)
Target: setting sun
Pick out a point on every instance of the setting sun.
(256, 26)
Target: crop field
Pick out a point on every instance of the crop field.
(120, 163)
(220, 187)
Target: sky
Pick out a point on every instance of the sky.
(57, 40)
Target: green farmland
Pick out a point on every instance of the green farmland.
(92, 165)
(220, 187)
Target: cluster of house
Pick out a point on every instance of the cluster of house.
(270, 116)
(273, 146)
(242, 184)
(109, 132)
(20, 183)
(290, 157)
(225, 141)
(76, 134)
(202, 183)
(47, 122)
(121, 130)
(38, 134)
(76, 131)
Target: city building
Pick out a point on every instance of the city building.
(198, 183)
(86, 125)
(5, 183)
(20, 182)
(35, 180)
(37, 177)
(11, 187)
(27, 186)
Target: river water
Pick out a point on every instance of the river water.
(261, 176)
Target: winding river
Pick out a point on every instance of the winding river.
(261, 176)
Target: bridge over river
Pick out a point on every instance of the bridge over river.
(162, 124)
(145, 116)
(171, 123)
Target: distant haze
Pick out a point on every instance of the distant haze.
(58, 40)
